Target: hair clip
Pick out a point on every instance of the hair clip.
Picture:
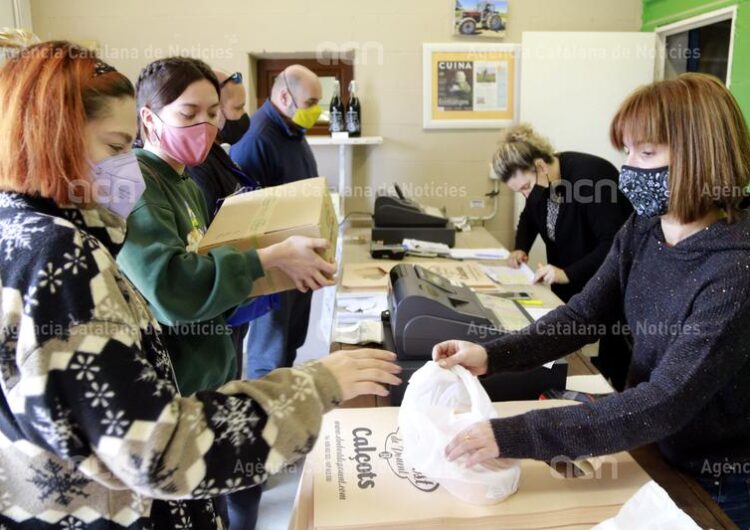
(101, 68)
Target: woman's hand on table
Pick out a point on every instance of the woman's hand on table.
(298, 257)
(476, 442)
(549, 274)
(471, 356)
(363, 372)
(517, 258)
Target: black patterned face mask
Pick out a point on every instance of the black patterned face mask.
(646, 189)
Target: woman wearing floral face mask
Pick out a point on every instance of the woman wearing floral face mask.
(93, 431)
(680, 268)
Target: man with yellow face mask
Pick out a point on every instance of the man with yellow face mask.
(274, 151)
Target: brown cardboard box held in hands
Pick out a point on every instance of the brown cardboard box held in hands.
(261, 218)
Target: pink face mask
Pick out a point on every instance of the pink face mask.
(187, 145)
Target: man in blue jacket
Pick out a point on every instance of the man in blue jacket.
(274, 151)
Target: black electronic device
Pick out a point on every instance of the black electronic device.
(398, 218)
(425, 309)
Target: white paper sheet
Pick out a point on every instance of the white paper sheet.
(479, 253)
(537, 312)
(589, 384)
(509, 276)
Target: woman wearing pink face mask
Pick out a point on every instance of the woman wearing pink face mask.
(178, 105)
(178, 111)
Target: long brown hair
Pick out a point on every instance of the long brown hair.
(47, 94)
(709, 145)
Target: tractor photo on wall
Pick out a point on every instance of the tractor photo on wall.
(485, 18)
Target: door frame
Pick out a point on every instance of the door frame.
(681, 26)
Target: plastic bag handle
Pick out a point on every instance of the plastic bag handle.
(472, 386)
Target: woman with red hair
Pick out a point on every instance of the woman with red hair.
(93, 430)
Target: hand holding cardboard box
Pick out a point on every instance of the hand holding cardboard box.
(265, 217)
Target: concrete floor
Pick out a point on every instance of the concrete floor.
(278, 499)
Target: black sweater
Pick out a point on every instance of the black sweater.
(592, 212)
(688, 307)
(218, 177)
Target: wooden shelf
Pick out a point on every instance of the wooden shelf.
(327, 140)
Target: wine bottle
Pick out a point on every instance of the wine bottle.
(337, 110)
(353, 112)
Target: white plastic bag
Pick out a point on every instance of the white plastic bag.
(437, 405)
(651, 508)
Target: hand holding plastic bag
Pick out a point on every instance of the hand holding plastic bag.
(438, 404)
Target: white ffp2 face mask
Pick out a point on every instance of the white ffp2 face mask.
(118, 183)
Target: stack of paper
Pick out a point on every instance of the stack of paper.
(358, 317)
(361, 482)
(355, 306)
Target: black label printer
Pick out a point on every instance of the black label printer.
(425, 309)
(399, 218)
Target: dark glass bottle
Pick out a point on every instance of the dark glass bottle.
(336, 123)
(353, 112)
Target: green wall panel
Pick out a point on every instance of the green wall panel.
(661, 12)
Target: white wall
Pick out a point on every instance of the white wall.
(224, 33)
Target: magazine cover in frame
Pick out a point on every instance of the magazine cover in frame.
(470, 86)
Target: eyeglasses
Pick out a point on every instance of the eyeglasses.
(234, 78)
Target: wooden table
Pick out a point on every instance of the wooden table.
(683, 490)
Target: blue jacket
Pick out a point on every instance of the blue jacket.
(273, 151)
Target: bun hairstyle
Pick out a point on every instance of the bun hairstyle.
(48, 92)
(520, 146)
(162, 82)
(13, 40)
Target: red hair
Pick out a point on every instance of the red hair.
(47, 94)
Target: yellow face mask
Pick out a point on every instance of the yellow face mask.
(305, 118)
(308, 117)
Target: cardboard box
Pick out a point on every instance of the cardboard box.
(262, 218)
(374, 274)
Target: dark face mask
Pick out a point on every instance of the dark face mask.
(538, 193)
(234, 130)
(646, 189)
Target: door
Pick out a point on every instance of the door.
(571, 86)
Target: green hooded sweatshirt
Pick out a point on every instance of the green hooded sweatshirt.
(189, 294)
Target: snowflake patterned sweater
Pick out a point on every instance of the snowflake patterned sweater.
(92, 427)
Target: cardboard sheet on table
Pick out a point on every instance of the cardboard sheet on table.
(399, 498)
(374, 275)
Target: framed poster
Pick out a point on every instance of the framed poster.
(470, 86)
(480, 18)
